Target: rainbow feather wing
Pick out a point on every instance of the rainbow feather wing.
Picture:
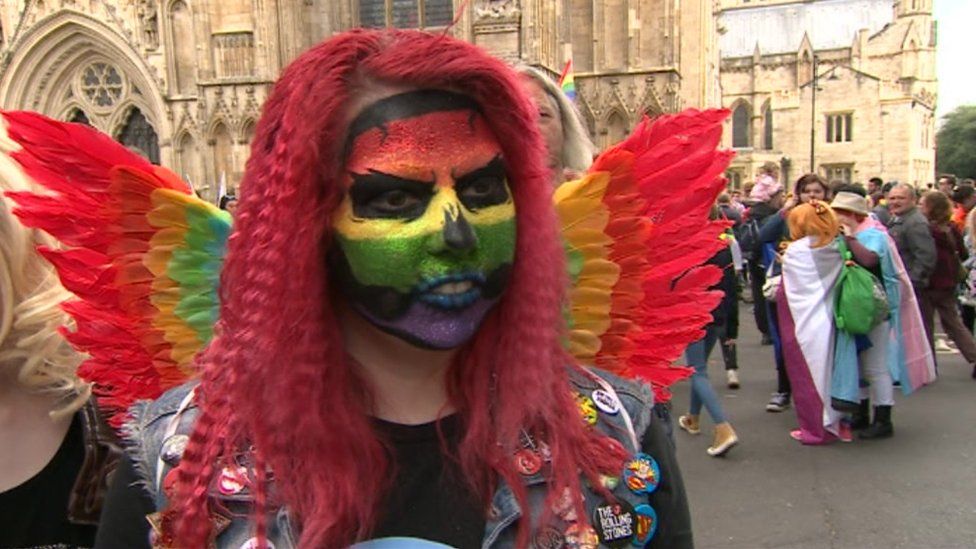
(643, 207)
(140, 252)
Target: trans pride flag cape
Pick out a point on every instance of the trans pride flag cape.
(908, 357)
(806, 322)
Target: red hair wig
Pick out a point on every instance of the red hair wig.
(276, 375)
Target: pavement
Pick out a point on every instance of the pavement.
(915, 490)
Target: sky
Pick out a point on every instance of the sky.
(956, 54)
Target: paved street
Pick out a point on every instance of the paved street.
(916, 490)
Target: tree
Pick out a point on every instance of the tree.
(956, 143)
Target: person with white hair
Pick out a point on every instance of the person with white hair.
(567, 141)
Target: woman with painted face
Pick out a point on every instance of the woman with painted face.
(388, 361)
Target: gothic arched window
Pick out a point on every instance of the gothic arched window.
(138, 134)
(740, 126)
(223, 155)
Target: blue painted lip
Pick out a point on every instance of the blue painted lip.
(454, 301)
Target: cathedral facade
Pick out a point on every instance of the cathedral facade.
(183, 81)
(844, 88)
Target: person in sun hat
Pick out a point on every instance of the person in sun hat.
(898, 348)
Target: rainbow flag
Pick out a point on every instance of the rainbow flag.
(566, 81)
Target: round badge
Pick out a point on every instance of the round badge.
(232, 480)
(581, 536)
(642, 474)
(173, 448)
(614, 523)
(254, 544)
(587, 409)
(606, 402)
(548, 538)
(645, 524)
(528, 462)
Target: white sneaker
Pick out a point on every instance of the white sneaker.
(942, 346)
(732, 376)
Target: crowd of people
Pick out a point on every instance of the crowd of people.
(799, 243)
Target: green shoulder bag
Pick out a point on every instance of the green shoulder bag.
(860, 302)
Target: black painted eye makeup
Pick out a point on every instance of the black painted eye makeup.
(483, 187)
(378, 195)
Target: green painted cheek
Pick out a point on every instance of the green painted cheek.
(401, 263)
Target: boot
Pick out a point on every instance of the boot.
(881, 428)
(690, 424)
(861, 419)
(725, 439)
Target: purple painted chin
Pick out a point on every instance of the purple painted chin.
(434, 328)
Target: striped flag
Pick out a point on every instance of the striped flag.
(566, 81)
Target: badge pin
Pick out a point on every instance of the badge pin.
(645, 525)
(581, 536)
(587, 408)
(548, 538)
(606, 402)
(528, 462)
(232, 480)
(614, 523)
(173, 448)
(642, 474)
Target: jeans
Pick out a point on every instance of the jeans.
(702, 392)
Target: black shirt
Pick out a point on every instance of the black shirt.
(428, 499)
(35, 513)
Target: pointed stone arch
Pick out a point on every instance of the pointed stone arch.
(221, 143)
(63, 52)
(767, 125)
(181, 38)
(189, 162)
(741, 124)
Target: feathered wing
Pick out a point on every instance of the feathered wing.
(637, 235)
(138, 249)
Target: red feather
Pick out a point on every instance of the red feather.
(100, 196)
(664, 179)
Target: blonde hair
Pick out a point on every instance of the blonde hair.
(30, 303)
(577, 148)
(815, 219)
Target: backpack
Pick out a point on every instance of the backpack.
(860, 302)
(748, 238)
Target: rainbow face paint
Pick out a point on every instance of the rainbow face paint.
(426, 230)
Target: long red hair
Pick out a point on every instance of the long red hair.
(276, 375)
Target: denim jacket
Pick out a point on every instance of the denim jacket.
(158, 432)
